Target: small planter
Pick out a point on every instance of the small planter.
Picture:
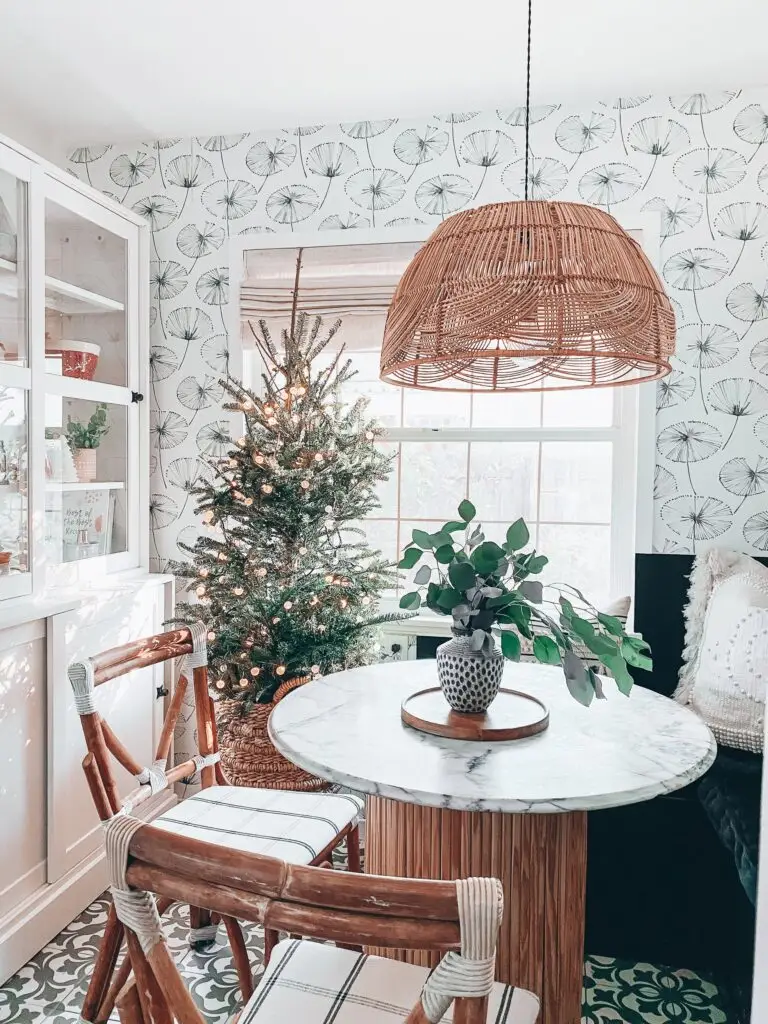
(469, 679)
(85, 464)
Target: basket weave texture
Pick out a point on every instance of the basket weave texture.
(248, 757)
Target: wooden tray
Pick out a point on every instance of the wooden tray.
(512, 716)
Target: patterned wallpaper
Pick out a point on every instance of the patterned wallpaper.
(700, 160)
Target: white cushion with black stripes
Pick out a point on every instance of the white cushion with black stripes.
(294, 827)
(311, 983)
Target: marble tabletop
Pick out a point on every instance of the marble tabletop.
(346, 728)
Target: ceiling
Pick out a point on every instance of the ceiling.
(95, 70)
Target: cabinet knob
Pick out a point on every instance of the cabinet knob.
(136, 396)
(162, 691)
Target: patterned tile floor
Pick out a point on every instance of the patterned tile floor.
(50, 989)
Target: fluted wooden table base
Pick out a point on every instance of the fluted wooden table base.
(541, 861)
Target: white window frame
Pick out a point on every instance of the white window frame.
(632, 434)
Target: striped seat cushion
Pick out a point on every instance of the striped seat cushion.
(311, 983)
(295, 827)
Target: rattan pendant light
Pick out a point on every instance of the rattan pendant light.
(532, 294)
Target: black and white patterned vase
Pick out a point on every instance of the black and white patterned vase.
(469, 679)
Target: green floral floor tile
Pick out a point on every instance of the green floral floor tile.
(615, 990)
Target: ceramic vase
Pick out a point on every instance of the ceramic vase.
(85, 464)
(469, 679)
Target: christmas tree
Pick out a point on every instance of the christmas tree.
(282, 574)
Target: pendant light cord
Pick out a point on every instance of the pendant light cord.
(528, 97)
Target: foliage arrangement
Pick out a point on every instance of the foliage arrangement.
(483, 585)
(282, 576)
(87, 435)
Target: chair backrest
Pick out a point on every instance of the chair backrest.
(101, 741)
(459, 917)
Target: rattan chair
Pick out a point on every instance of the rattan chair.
(309, 982)
(301, 828)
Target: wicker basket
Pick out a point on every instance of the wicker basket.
(248, 757)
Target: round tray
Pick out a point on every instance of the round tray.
(512, 716)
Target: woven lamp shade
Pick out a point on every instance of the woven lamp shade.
(535, 295)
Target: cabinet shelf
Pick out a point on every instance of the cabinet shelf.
(8, 266)
(60, 486)
(71, 300)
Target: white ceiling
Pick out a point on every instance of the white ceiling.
(78, 71)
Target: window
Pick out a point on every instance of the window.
(563, 460)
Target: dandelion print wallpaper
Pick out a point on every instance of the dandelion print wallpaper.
(698, 160)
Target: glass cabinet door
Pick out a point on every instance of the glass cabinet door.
(15, 378)
(91, 435)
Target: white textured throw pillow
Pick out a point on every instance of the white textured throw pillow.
(725, 661)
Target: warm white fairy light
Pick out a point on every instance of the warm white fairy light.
(200, 590)
(203, 571)
(238, 591)
(267, 488)
(220, 684)
(242, 442)
(247, 405)
(314, 600)
(272, 421)
(262, 572)
(329, 579)
(328, 524)
(319, 457)
(244, 682)
(302, 551)
(255, 671)
(259, 460)
(222, 557)
(366, 600)
(208, 516)
(315, 669)
(275, 620)
(280, 670)
(248, 502)
(305, 484)
(343, 602)
(329, 508)
(211, 635)
(233, 463)
(369, 435)
(287, 605)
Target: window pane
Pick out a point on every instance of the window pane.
(13, 270)
(507, 410)
(383, 400)
(575, 482)
(590, 407)
(85, 291)
(434, 409)
(578, 556)
(502, 479)
(379, 533)
(13, 482)
(85, 488)
(387, 490)
(433, 479)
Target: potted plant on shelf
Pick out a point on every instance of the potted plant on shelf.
(485, 586)
(83, 440)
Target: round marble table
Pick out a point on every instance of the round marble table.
(440, 808)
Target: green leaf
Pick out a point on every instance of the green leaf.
(517, 535)
(577, 679)
(486, 557)
(440, 539)
(449, 598)
(521, 616)
(423, 575)
(581, 627)
(546, 650)
(618, 669)
(602, 646)
(461, 575)
(422, 538)
(566, 607)
(433, 592)
(532, 590)
(636, 641)
(467, 511)
(410, 601)
(501, 601)
(611, 623)
(444, 554)
(452, 527)
(510, 645)
(634, 657)
(410, 558)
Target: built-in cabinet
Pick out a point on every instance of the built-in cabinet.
(74, 528)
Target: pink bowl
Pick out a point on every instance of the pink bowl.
(78, 358)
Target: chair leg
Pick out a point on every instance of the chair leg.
(129, 1005)
(202, 929)
(271, 938)
(104, 968)
(353, 849)
(240, 957)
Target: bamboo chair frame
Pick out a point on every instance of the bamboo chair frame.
(107, 981)
(317, 903)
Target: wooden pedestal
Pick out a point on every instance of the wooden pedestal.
(541, 862)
